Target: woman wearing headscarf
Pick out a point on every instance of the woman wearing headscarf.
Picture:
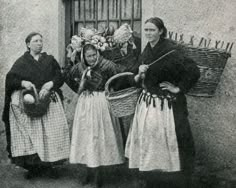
(96, 137)
(35, 143)
(160, 143)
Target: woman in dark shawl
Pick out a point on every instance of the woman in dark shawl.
(160, 142)
(35, 143)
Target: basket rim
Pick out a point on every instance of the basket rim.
(122, 96)
(211, 49)
(115, 77)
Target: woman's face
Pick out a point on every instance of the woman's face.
(36, 44)
(90, 56)
(152, 32)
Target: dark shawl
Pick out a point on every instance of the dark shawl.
(38, 72)
(182, 72)
(73, 73)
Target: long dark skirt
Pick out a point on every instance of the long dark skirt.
(30, 162)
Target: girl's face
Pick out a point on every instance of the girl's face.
(90, 56)
(152, 32)
(36, 44)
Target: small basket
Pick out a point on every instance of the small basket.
(211, 63)
(122, 102)
(37, 109)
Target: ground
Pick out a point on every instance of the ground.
(71, 176)
(12, 176)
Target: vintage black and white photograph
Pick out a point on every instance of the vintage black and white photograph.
(117, 94)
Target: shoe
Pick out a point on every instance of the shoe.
(34, 173)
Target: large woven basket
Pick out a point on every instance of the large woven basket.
(122, 102)
(114, 54)
(211, 63)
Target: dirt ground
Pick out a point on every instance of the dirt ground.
(70, 176)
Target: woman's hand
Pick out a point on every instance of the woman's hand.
(45, 90)
(142, 69)
(43, 93)
(169, 87)
(141, 73)
(48, 85)
(27, 84)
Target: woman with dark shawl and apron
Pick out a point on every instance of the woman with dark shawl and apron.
(160, 143)
(96, 136)
(36, 143)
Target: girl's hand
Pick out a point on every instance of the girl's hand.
(169, 87)
(27, 84)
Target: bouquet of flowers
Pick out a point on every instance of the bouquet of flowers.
(107, 39)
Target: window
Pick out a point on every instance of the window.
(102, 13)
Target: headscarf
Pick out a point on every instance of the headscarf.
(87, 70)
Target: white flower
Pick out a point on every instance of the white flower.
(76, 43)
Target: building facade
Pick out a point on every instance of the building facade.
(212, 119)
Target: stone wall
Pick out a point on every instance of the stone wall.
(213, 119)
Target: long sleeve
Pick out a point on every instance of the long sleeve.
(72, 76)
(57, 78)
(12, 83)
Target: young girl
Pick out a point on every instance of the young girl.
(96, 136)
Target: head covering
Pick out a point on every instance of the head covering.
(90, 78)
(83, 61)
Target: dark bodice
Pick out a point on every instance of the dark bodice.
(173, 68)
(99, 75)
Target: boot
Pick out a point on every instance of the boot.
(33, 172)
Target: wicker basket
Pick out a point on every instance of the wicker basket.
(211, 63)
(123, 102)
(37, 109)
(113, 54)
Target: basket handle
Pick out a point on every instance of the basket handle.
(36, 94)
(114, 77)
